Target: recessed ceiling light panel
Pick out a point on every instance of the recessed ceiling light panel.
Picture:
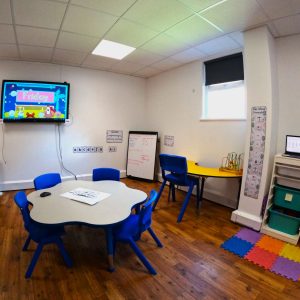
(112, 49)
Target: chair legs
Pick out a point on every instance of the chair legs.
(25, 247)
(141, 256)
(39, 249)
(159, 194)
(64, 253)
(34, 260)
(159, 244)
(185, 203)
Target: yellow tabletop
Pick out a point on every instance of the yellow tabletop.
(194, 169)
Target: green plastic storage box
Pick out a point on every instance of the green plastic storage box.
(287, 197)
(283, 222)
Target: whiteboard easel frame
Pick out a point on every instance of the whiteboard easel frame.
(146, 133)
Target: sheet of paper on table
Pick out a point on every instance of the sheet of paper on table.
(87, 196)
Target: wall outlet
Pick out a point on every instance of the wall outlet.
(112, 149)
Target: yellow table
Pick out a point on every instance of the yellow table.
(204, 172)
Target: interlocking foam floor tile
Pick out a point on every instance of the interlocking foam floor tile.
(249, 235)
(291, 252)
(261, 257)
(286, 268)
(270, 244)
(237, 246)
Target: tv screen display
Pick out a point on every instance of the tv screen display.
(34, 101)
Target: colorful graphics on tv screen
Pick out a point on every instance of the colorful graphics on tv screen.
(34, 101)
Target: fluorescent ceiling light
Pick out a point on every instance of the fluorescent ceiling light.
(112, 49)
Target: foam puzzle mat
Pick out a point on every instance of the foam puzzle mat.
(269, 253)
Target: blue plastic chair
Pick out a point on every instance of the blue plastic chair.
(132, 228)
(40, 233)
(46, 181)
(106, 174)
(177, 168)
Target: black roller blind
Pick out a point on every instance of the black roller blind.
(224, 69)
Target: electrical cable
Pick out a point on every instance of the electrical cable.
(60, 153)
(3, 142)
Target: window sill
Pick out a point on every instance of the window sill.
(209, 120)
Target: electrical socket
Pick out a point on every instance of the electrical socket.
(112, 148)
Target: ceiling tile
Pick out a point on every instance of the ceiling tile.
(36, 13)
(279, 8)
(68, 57)
(5, 12)
(36, 36)
(143, 57)
(188, 55)
(125, 67)
(193, 31)
(164, 45)
(130, 33)
(76, 42)
(147, 72)
(158, 15)
(87, 21)
(114, 7)
(166, 64)
(288, 25)
(197, 5)
(218, 45)
(238, 37)
(7, 34)
(99, 62)
(235, 15)
(9, 51)
(36, 53)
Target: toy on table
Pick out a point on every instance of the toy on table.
(233, 163)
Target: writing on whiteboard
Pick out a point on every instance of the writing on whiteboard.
(141, 155)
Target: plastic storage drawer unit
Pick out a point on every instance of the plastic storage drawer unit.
(283, 222)
(287, 197)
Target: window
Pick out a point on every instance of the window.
(224, 94)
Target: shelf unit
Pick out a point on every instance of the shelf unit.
(286, 172)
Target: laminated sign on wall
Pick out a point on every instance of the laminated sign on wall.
(256, 151)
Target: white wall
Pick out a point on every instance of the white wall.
(174, 101)
(98, 101)
(261, 82)
(289, 91)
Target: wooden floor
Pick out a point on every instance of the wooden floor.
(190, 266)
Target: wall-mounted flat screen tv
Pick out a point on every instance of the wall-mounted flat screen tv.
(34, 101)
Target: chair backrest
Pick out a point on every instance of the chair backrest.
(145, 215)
(22, 202)
(46, 181)
(173, 163)
(106, 174)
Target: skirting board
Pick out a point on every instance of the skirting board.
(28, 184)
(246, 219)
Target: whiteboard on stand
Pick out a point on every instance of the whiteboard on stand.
(141, 154)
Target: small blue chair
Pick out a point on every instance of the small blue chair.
(40, 233)
(176, 166)
(106, 174)
(46, 181)
(132, 228)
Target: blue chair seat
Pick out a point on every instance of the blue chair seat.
(106, 174)
(174, 171)
(46, 181)
(131, 229)
(42, 234)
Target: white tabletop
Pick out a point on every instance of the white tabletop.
(55, 209)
